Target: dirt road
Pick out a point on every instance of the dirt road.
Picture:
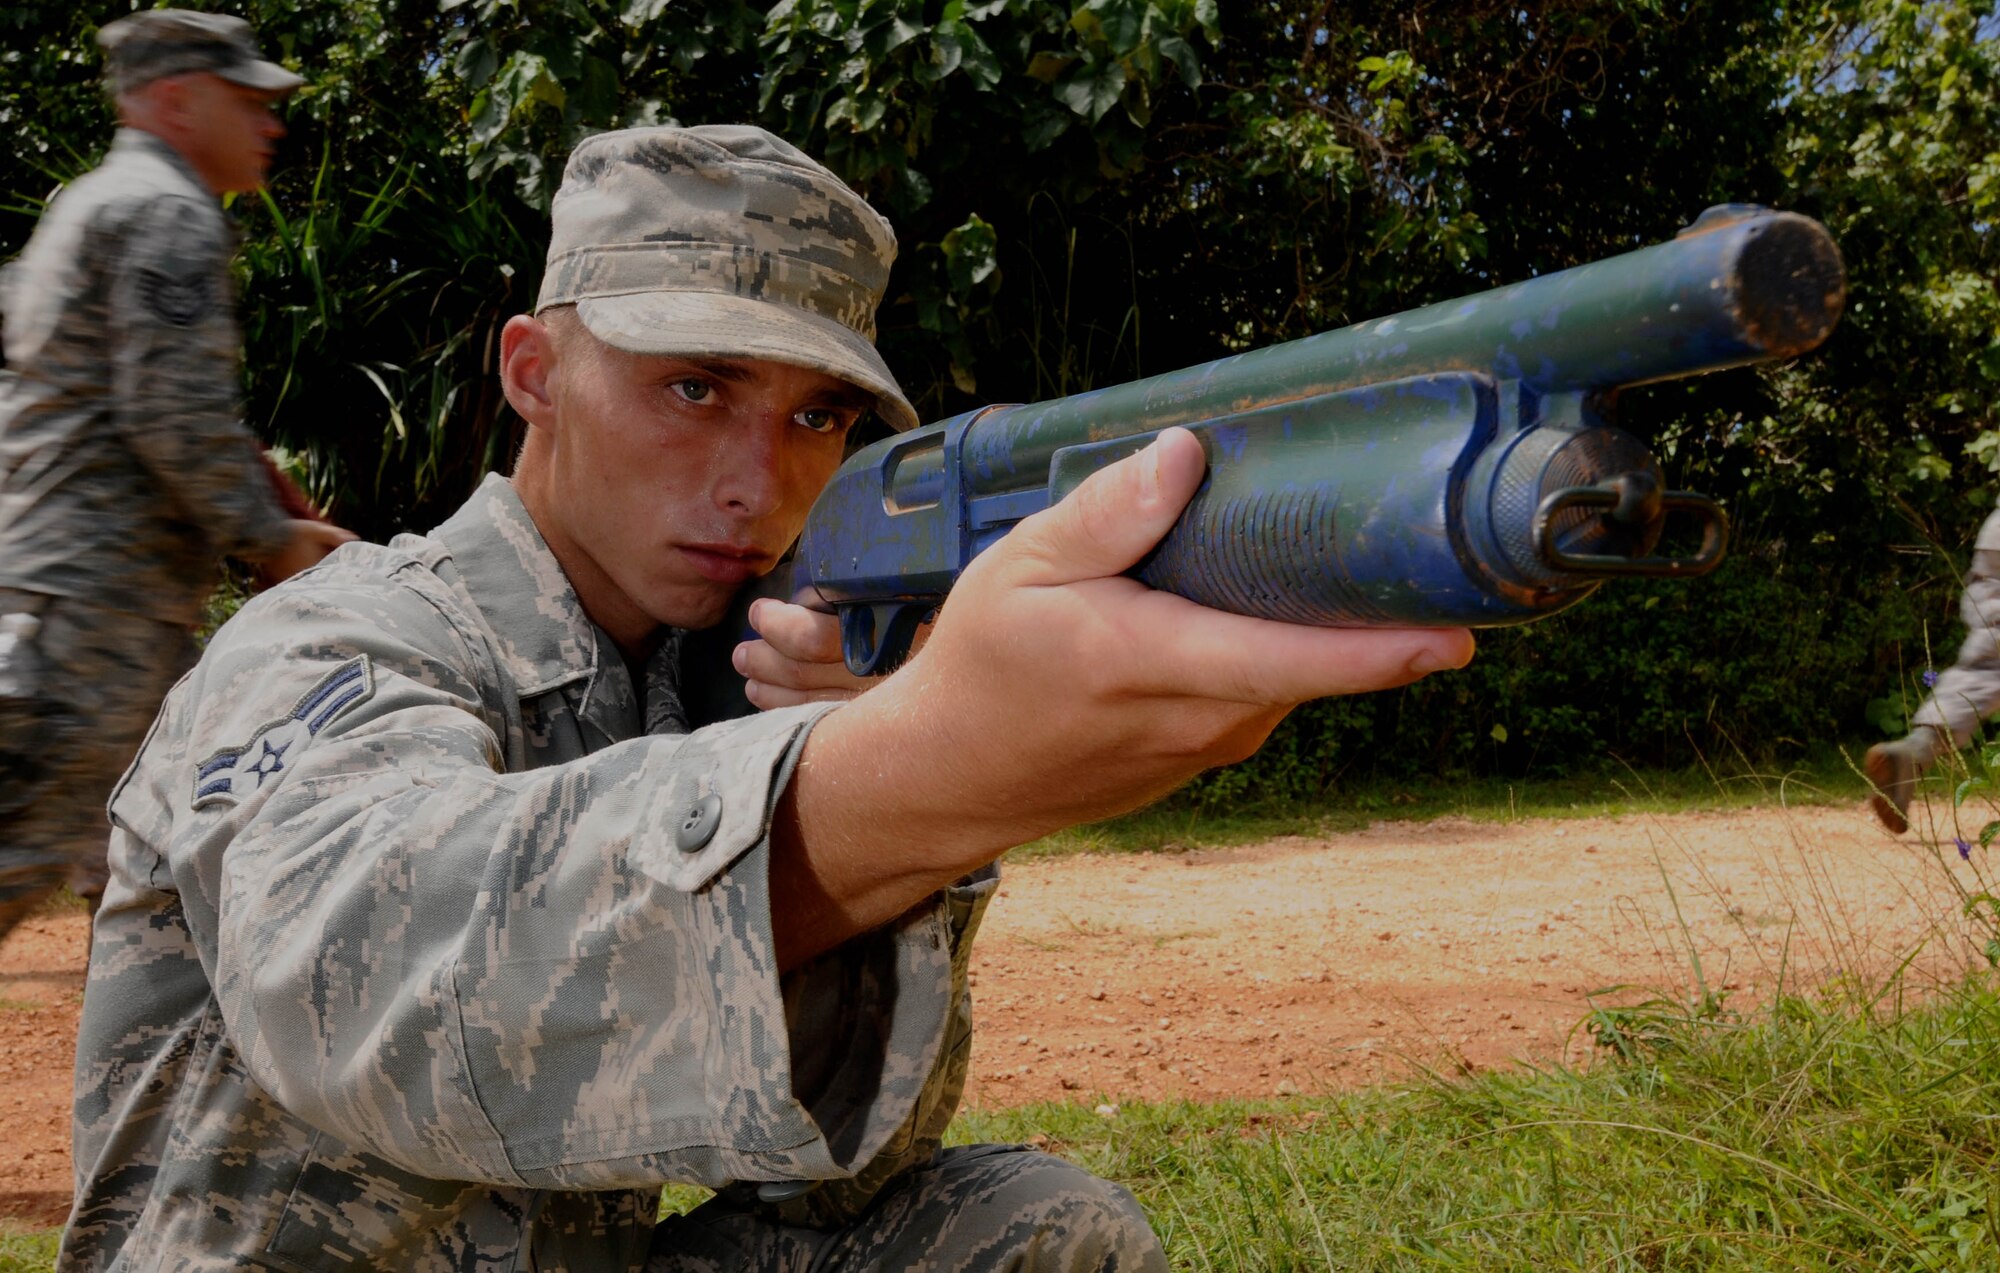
(1296, 965)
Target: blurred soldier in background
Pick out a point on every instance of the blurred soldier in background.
(125, 469)
(1963, 694)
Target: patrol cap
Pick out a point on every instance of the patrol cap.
(155, 43)
(723, 241)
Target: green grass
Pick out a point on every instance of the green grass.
(1826, 777)
(26, 1250)
(1826, 1136)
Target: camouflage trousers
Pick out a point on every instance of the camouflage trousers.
(1969, 690)
(79, 686)
(973, 1209)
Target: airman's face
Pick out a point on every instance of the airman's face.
(668, 483)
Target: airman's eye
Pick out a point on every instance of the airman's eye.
(826, 419)
(694, 390)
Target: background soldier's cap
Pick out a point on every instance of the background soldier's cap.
(154, 43)
(723, 241)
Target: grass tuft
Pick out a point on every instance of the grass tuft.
(25, 1250)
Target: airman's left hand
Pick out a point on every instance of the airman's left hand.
(798, 660)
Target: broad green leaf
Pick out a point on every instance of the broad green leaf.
(1183, 56)
(1113, 23)
(901, 31)
(978, 61)
(561, 59)
(971, 253)
(1092, 89)
(639, 13)
(916, 187)
(489, 113)
(476, 61)
(947, 52)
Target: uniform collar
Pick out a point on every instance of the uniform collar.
(544, 637)
(138, 142)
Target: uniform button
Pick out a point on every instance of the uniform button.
(698, 823)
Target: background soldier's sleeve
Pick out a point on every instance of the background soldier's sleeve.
(559, 978)
(175, 367)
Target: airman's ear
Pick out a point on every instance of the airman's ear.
(528, 360)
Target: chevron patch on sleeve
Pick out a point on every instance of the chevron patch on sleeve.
(235, 772)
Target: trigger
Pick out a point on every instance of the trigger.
(858, 647)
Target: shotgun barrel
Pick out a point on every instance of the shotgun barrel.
(1452, 465)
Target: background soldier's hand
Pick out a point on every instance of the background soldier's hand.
(1055, 690)
(310, 542)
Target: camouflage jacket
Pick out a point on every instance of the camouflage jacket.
(125, 468)
(420, 953)
(1988, 538)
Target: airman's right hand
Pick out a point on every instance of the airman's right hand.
(1055, 690)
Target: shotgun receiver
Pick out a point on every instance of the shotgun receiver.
(1452, 465)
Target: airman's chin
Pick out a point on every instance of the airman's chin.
(694, 613)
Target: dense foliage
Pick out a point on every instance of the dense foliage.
(1094, 191)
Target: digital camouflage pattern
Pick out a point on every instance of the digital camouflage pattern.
(975, 1207)
(124, 474)
(723, 241)
(1969, 690)
(418, 953)
(78, 696)
(125, 468)
(154, 43)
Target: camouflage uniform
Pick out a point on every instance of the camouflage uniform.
(1964, 694)
(1969, 690)
(420, 952)
(125, 469)
(125, 473)
(433, 941)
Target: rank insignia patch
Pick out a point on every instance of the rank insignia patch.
(235, 772)
(174, 300)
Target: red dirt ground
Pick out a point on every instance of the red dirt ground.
(1296, 965)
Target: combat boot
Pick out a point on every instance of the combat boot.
(1892, 769)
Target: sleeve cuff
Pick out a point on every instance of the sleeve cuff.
(713, 808)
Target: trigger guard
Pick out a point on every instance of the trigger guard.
(875, 639)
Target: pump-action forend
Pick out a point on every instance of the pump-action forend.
(1453, 465)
